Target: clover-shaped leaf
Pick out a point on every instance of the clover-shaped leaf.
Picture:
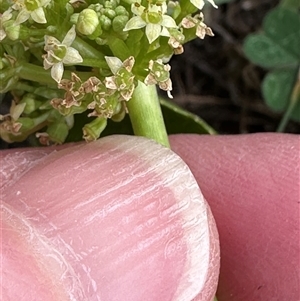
(279, 45)
(278, 48)
(277, 87)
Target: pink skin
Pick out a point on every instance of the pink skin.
(252, 185)
(120, 219)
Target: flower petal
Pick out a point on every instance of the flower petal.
(137, 9)
(212, 3)
(113, 63)
(165, 32)
(198, 3)
(38, 16)
(57, 71)
(72, 57)
(135, 23)
(70, 36)
(6, 15)
(46, 63)
(110, 82)
(22, 17)
(152, 32)
(200, 32)
(188, 22)
(168, 22)
(2, 34)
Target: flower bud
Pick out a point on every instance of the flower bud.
(118, 117)
(105, 22)
(74, 18)
(16, 110)
(31, 104)
(111, 4)
(109, 13)
(121, 11)
(119, 23)
(58, 132)
(92, 130)
(101, 42)
(26, 124)
(87, 21)
(12, 30)
(174, 9)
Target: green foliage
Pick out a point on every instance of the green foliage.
(278, 48)
(178, 120)
(277, 86)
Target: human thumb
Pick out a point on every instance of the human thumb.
(118, 219)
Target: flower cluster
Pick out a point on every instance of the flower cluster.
(197, 22)
(60, 53)
(153, 18)
(62, 58)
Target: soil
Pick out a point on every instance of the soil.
(215, 80)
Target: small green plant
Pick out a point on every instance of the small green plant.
(98, 60)
(277, 48)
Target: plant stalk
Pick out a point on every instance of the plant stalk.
(146, 116)
(38, 74)
(295, 98)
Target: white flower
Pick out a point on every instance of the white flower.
(31, 8)
(3, 18)
(200, 3)
(60, 53)
(159, 73)
(153, 18)
(123, 79)
(197, 21)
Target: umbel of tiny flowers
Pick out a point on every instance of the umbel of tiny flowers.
(123, 48)
(33, 9)
(153, 17)
(60, 53)
(123, 79)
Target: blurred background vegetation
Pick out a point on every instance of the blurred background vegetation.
(220, 78)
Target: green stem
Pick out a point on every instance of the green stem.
(39, 74)
(186, 8)
(145, 114)
(24, 87)
(34, 73)
(295, 98)
(129, 1)
(91, 56)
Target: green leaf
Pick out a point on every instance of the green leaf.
(279, 45)
(262, 51)
(290, 4)
(283, 27)
(178, 120)
(278, 48)
(277, 89)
